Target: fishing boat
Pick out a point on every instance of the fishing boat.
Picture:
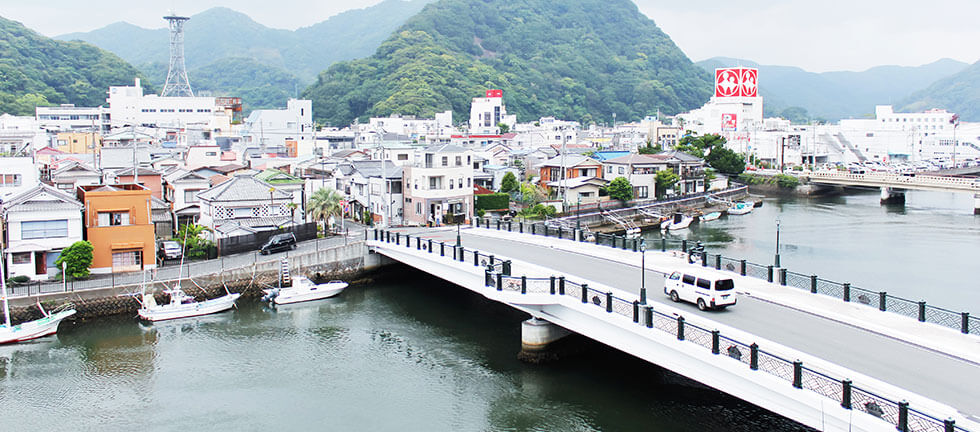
(182, 305)
(303, 289)
(678, 222)
(740, 208)
(47, 325)
(710, 216)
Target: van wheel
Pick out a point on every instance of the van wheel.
(294, 247)
(674, 297)
(701, 305)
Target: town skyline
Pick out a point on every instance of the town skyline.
(891, 33)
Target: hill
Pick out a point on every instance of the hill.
(836, 95)
(36, 70)
(219, 33)
(959, 93)
(574, 59)
(260, 86)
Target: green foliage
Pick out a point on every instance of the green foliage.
(323, 204)
(532, 194)
(650, 148)
(195, 245)
(786, 181)
(620, 189)
(699, 145)
(509, 183)
(260, 86)
(480, 212)
(36, 70)
(575, 60)
(497, 201)
(959, 93)
(666, 179)
(77, 258)
(795, 114)
(539, 210)
(780, 180)
(19, 279)
(503, 128)
(725, 161)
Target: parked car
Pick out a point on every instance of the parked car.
(278, 243)
(169, 250)
(706, 292)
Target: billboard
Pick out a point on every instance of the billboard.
(737, 82)
(729, 122)
(495, 93)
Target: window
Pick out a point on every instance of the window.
(621, 170)
(469, 182)
(688, 279)
(10, 180)
(641, 191)
(211, 153)
(609, 169)
(704, 283)
(445, 161)
(724, 285)
(403, 157)
(190, 195)
(21, 258)
(113, 218)
(459, 160)
(242, 212)
(44, 229)
(127, 259)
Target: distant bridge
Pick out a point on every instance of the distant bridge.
(893, 186)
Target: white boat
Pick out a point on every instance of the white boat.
(47, 325)
(303, 289)
(182, 305)
(678, 222)
(740, 208)
(710, 216)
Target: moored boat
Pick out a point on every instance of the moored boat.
(710, 216)
(47, 325)
(678, 222)
(182, 305)
(303, 289)
(740, 208)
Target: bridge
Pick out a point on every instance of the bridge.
(893, 186)
(813, 359)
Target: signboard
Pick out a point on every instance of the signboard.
(737, 82)
(729, 122)
(495, 93)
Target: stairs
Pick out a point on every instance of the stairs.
(284, 279)
(852, 148)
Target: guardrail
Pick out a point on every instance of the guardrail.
(891, 179)
(843, 391)
(920, 310)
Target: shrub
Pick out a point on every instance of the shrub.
(497, 201)
(77, 259)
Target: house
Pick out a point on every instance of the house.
(640, 170)
(118, 223)
(17, 174)
(78, 142)
(376, 186)
(243, 205)
(150, 178)
(575, 166)
(180, 190)
(287, 183)
(162, 217)
(40, 223)
(691, 171)
(439, 188)
(202, 155)
(69, 175)
(584, 190)
(269, 129)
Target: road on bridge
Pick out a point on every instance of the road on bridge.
(935, 375)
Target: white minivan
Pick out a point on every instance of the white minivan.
(707, 293)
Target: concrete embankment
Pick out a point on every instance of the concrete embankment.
(352, 263)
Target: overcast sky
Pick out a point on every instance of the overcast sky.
(815, 35)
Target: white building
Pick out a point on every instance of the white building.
(440, 126)
(291, 128)
(439, 187)
(17, 174)
(40, 223)
(547, 131)
(736, 105)
(70, 118)
(129, 106)
(487, 112)
(20, 135)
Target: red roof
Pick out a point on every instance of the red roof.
(480, 190)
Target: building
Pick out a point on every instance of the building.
(180, 190)
(690, 169)
(17, 174)
(243, 205)
(375, 186)
(20, 135)
(128, 106)
(579, 190)
(70, 118)
(439, 188)
(736, 105)
(282, 128)
(78, 142)
(39, 223)
(71, 174)
(149, 178)
(118, 223)
(575, 166)
(488, 112)
(640, 170)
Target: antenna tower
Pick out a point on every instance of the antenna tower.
(177, 82)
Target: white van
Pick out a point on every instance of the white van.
(706, 293)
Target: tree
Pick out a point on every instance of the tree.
(620, 189)
(509, 183)
(666, 179)
(503, 128)
(650, 148)
(194, 243)
(700, 145)
(531, 194)
(726, 161)
(77, 258)
(323, 204)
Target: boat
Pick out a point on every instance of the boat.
(182, 305)
(678, 222)
(740, 208)
(47, 325)
(710, 216)
(303, 289)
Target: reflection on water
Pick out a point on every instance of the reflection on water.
(925, 249)
(416, 355)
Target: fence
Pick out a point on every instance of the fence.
(251, 242)
(881, 300)
(497, 275)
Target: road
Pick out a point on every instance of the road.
(928, 373)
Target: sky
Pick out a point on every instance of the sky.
(818, 36)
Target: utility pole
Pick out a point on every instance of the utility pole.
(563, 184)
(136, 174)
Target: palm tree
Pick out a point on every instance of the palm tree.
(323, 204)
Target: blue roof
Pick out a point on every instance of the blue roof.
(603, 156)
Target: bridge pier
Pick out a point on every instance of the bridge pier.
(976, 204)
(891, 195)
(536, 337)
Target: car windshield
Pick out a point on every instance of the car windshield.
(724, 285)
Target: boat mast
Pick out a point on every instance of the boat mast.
(3, 284)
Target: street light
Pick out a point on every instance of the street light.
(643, 271)
(777, 241)
(578, 210)
(458, 243)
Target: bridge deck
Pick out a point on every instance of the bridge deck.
(947, 372)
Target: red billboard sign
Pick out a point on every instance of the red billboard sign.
(729, 122)
(737, 82)
(495, 93)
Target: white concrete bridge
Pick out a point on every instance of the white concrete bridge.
(894, 185)
(824, 370)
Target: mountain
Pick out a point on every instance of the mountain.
(219, 33)
(959, 93)
(836, 95)
(573, 59)
(36, 70)
(260, 86)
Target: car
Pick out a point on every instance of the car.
(169, 250)
(706, 292)
(278, 243)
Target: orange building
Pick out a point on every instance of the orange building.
(148, 178)
(575, 166)
(117, 223)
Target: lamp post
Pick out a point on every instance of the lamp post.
(578, 210)
(643, 271)
(458, 243)
(777, 242)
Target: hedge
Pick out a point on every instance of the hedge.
(497, 201)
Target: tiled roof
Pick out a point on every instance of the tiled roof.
(636, 159)
(242, 188)
(30, 198)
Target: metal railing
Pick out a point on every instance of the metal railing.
(841, 390)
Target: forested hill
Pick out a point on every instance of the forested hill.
(36, 70)
(959, 93)
(577, 59)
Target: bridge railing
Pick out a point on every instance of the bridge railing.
(839, 389)
(898, 179)
(881, 300)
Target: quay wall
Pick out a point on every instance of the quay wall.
(351, 262)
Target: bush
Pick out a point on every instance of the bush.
(480, 212)
(497, 201)
(786, 181)
(77, 259)
(620, 189)
(19, 279)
